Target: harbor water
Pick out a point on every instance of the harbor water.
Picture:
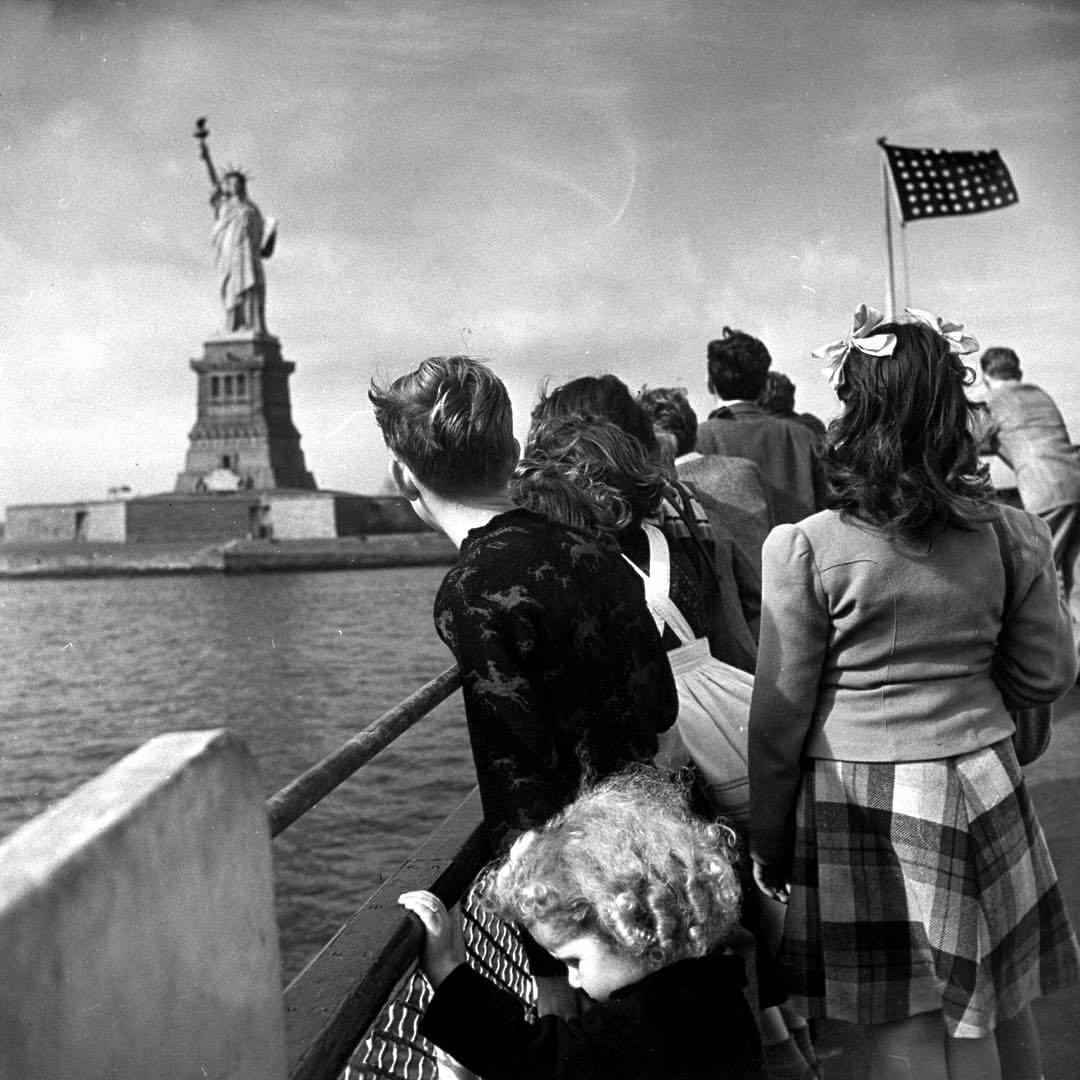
(294, 663)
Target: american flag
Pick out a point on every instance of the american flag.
(937, 183)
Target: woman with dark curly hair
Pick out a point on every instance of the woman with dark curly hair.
(901, 628)
(731, 601)
(588, 473)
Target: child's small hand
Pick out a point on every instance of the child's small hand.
(771, 884)
(444, 948)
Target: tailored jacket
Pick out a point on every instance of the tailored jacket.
(786, 454)
(728, 581)
(733, 493)
(1025, 429)
(688, 1021)
(815, 424)
(874, 649)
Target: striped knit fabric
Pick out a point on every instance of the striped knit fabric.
(394, 1048)
(924, 886)
(672, 517)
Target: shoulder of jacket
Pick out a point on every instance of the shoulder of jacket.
(787, 537)
(1024, 528)
(826, 537)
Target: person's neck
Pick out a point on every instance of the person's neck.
(458, 515)
(993, 384)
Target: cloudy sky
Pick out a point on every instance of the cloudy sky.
(565, 188)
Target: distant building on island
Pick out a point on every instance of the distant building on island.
(244, 436)
(244, 475)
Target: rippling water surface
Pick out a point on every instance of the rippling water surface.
(293, 663)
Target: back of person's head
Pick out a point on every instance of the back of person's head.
(586, 472)
(450, 421)
(737, 366)
(902, 455)
(779, 393)
(605, 396)
(670, 411)
(628, 861)
(1001, 363)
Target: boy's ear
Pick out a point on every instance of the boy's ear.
(403, 479)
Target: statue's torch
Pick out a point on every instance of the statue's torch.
(202, 133)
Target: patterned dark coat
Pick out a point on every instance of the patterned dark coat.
(564, 675)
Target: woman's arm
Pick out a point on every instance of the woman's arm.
(791, 653)
(1035, 661)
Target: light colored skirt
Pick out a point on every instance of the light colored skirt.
(924, 886)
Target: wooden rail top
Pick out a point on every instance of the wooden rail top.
(336, 998)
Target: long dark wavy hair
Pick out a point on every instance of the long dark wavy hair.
(902, 455)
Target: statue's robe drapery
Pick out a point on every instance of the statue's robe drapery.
(238, 243)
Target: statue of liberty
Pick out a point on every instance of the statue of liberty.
(241, 241)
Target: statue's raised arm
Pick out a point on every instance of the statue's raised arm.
(202, 133)
(241, 241)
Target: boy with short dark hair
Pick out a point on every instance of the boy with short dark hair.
(786, 454)
(564, 676)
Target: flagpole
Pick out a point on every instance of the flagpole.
(904, 261)
(890, 300)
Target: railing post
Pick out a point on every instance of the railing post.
(137, 929)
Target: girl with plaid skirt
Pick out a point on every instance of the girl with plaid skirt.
(900, 628)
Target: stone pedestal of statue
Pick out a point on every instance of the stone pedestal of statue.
(244, 436)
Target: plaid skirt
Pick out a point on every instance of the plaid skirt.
(923, 886)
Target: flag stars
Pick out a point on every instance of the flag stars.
(933, 183)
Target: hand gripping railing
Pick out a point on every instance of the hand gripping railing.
(336, 999)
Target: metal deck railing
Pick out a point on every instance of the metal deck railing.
(353, 1011)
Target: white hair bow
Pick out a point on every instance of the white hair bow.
(862, 337)
(960, 344)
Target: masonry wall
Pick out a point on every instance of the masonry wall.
(211, 518)
(300, 518)
(137, 924)
(56, 523)
(359, 515)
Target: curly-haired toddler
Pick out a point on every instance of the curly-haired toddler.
(637, 896)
